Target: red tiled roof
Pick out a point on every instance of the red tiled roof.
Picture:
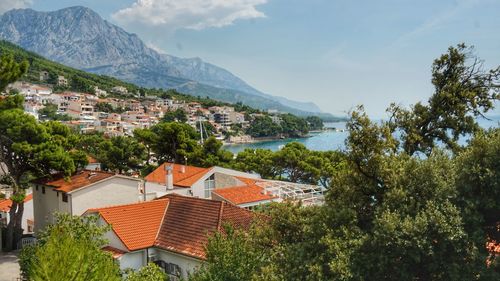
(190, 221)
(135, 224)
(187, 179)
(243, 194)
(116, 253)
(5, 204)
(175, 223)
(79, 180)
(247, 193)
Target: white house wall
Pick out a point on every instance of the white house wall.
(112, 191)
(45, 205)
(133, 260)
(187, 264)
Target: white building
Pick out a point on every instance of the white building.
(170, 231)
(61, 81)
(241, 189)
(190, 180)
(84, 190)
(28, 217)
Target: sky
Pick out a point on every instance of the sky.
(335, 53)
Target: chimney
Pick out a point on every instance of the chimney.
(169, 177)
(183, 167)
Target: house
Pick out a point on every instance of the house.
(242, 189)
(248, 194)
(86, 189)
(99, 92)
(119, 90)
(44, 75)
(171, 231)
(61, 81)
(191, 181)
(28, 217)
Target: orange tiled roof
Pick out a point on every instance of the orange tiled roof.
(5, 204)
(116, 253)
(135, 224)
(79, 180)
(243, 194)
(175, 223)
(187, 179)
(190, 221)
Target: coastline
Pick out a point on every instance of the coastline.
(253, 140)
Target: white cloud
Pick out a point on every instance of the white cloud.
(155, 47)
(6, 5)
(190, 14)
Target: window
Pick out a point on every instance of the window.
(65, 197)
(174, 271)
(43, 189)
(36, 186)
(209, 186)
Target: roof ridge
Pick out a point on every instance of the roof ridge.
(125, 205)
(219, 219)
(162, 220)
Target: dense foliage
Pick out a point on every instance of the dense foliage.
(390, 213)
(30, 149)
(70, 249)
(49, 112)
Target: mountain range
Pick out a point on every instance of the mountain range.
(80, 38)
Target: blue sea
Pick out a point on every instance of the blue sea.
(327, 140)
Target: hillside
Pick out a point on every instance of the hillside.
(80, 38)
(84, 81)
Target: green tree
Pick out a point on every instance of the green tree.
(104, 107)
(148, 139)
(151, 272)
(293, 126)
(263, 126)
(463, 90)
(291, 161)
(178, 115)
(174, 141)
(70, 249)
(28, 150)
(122, 154)
(314, 122)
(49, 112)
(230, 257)
(260, 161)
(11, 70)
(479, 186)
(211, 154)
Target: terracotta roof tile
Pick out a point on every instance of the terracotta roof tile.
(243, 194)
(135, 224)
(175, 223)
(79, 180)
(190, 221)
(187, 179)
(5, 204)
(116, 253)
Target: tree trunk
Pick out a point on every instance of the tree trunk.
(14, 229)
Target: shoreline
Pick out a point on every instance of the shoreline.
(311, 133)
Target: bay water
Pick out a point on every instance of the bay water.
(333, 139)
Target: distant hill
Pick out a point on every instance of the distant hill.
(80, 38)
(39, 63)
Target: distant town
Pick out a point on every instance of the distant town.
(119, 112)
